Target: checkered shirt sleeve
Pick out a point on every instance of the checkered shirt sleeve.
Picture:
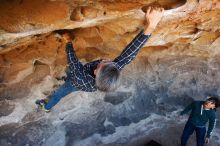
(129, 53)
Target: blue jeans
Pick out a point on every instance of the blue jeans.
(189, 129)
(61, 92)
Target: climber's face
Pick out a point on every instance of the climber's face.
(209, 104)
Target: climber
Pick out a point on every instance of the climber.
(201, 113)
(100, 74)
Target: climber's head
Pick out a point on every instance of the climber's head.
(107, 76)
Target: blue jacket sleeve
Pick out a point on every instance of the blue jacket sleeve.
(187, 109)
(212, 123)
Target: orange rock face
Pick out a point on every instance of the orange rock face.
(101, 30)
(27, 15)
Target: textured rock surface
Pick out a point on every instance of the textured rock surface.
(178, 64)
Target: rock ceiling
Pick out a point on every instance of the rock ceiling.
(102, 29)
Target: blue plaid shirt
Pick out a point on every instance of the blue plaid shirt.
(82, 76)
